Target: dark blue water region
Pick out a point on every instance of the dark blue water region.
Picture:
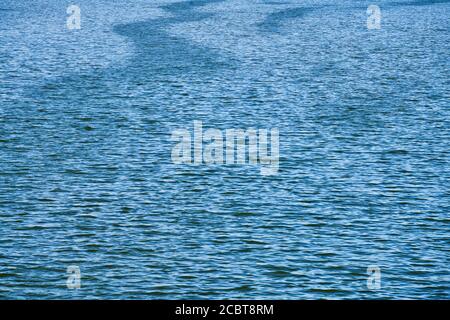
(87, 179)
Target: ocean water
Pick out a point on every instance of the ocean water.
(87, 179)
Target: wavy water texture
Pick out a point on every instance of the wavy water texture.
(421, 3)
(275, 20)
(86, 177)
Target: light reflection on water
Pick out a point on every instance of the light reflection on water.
(86, 175)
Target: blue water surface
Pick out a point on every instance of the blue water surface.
(87, 179)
